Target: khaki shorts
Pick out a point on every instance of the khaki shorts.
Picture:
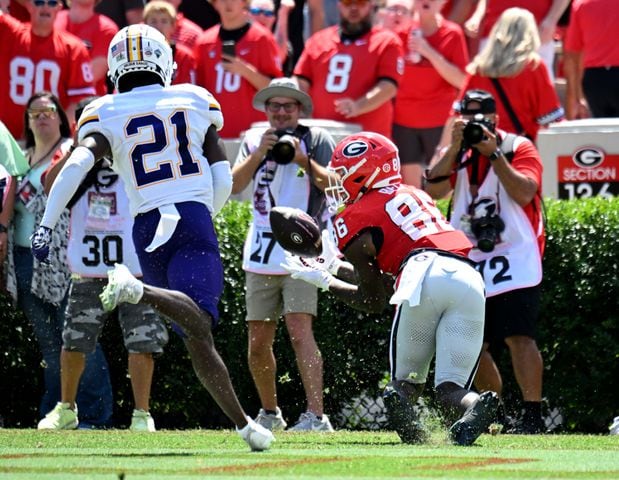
(269, 297)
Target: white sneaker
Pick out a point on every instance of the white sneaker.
(614, 428)
(122, 287)
(60, 418)
(256, 436)
(271, 421)
(142, 421)
(310, 422)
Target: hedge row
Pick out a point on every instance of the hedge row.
(578, 336)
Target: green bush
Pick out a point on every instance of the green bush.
(578, 337)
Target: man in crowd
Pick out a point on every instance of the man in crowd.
(496, 180)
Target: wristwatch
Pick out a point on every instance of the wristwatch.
(496, 154)
(3, 229)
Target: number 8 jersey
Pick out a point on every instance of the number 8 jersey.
(156, 136)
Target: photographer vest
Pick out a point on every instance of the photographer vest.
(100, 229)
(273, 185)
(515, 261)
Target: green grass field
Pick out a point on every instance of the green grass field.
(119, 454)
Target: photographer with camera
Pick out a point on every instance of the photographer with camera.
(286, 163)
(496, 180)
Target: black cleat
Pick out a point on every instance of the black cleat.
(475, 420)
(403, 418)
(528, 426)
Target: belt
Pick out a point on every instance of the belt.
(438, 251)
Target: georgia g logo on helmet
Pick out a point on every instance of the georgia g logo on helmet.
(355, 148)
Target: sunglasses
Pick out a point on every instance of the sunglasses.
(48, 112)
(289, 107)
(262, 11)
(49, 3)
(397, 10)
(348, 3)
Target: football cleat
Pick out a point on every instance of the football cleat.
(122, 287)
(310, 422)
(475, 420)
(403, 418)
(257, 437)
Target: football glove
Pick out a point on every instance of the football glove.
(40, 241)
(309, 270)
(330, 256)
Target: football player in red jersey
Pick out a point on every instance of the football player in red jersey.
(386, 227)
(352, 70)
(35, 57)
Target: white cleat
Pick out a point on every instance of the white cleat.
(257, 437)
(122, 287)
(60, 418)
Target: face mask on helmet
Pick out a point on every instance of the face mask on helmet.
(361, 162)
(140, 48)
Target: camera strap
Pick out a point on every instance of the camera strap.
(508, 106)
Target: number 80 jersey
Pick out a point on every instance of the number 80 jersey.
(156, 136)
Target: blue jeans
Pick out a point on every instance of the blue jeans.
(94, 396)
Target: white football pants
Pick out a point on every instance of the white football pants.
(447, 321)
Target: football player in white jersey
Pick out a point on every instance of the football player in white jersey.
(164, 145)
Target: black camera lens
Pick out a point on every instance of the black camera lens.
(473, 133)
(283, 151)
(486, 230)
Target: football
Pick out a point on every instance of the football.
(296, 231)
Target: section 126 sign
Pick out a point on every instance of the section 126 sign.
(588, 172)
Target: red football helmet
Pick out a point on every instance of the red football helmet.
(361, 161)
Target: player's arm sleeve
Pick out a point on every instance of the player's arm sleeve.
(222, 184)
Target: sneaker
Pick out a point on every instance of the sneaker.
(271, 421)
(310, 422)
(256, 436)
(614, 428)
(60, 418)
(475, 420)
(122, 287)
(528, 426)
(142, 421)
(402, 417)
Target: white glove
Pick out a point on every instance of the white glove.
(309, 270)
(330, 256)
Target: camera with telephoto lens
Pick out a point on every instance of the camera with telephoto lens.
(283, 151)
(473, 132)
(486, 230)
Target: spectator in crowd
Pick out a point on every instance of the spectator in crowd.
(100, 235)
(42, 290)
(395, 15)
(172, 204)
(591, 60)
(36, 57)
(162, 16)
(200, 12)
(496, 179)
(12, 164)
(545, 12)
(509, 67)
(123, 12)
(235, 77)
(304, 11)
(185, 32)
(435, 59)
(296, 181)
(387, 227)
(352, 71)
(94, 30)
(263, 12)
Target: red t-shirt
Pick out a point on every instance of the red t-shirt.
(495, 8)
(407, 218)
(424, 97)
(593, 31)
(96, 33)
(186, 32)
(185, 65)
(531, 94)
(58, 63)
(234, 93)
(336, 69)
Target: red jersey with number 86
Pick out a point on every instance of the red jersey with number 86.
(406, 217)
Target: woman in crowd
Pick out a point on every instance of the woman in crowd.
(42, 289)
